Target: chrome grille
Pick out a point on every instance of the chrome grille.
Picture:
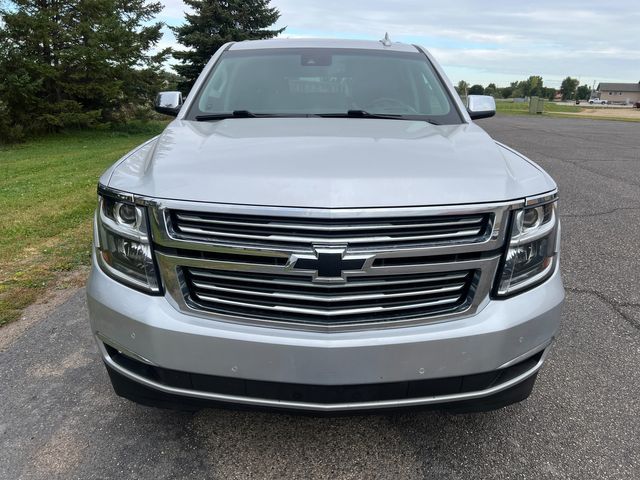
(352, 231)
(262, 265)
(368, 298)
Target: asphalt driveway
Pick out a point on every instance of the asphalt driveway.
(60, 419)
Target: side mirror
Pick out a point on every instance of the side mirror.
(168, 103)
(481, 106)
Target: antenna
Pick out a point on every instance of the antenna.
(386, 41)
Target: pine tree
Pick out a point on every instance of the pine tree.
(216, 22)
(77, 62)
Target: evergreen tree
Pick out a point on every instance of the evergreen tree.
(214, 23)
(76, 63)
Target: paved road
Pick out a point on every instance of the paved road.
(60, 419)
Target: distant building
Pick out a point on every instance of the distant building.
(620, 92)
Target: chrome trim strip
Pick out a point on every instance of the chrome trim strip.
(527, 354)
(350, 240)
(537, 200)
(430, 267)
(332, 313)
(327, 228)
(302, 283)
(433, 267)
(333, 299)
(334, 407)
(102, 339)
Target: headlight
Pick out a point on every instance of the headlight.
(532, 252)
(123, 248)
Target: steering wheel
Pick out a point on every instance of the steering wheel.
(389, 104)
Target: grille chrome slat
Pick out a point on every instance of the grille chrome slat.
(329, 228)
(332, 299)
(296, 239)
(332, 313)
(305, 282)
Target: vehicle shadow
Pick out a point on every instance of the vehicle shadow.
(410, 444)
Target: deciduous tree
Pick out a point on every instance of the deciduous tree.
(491, 89)
(507, 92)
(583, 92)
(476, 90)
(462, 88)
(568, 88)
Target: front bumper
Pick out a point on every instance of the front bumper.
(150, 330)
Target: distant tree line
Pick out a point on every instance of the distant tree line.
(96, 63)
(531, 87)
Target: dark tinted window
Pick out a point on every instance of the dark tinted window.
(325, 81)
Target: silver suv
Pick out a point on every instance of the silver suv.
(323, 227)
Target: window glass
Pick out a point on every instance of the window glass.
(325, 81)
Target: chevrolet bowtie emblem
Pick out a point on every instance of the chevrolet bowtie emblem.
(329, 264)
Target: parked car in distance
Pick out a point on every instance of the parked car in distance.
(324, 227)
(636, 105)
(597, 101)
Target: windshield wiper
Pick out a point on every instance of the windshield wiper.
(249, 114)
(360, 114)
(385, 116)
(222, 116)
(347, 114)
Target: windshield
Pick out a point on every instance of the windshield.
(318, 81)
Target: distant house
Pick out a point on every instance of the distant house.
(620, 92)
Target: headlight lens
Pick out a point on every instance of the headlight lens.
(123, 245)
(532, 252)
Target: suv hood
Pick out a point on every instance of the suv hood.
(326, 162)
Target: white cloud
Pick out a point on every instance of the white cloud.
(497, 41)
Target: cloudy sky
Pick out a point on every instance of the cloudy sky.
(481, 42)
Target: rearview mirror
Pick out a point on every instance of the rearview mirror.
(481, 106)
(168, 103)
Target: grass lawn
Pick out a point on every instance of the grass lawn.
(549, 107)
(47, 198)
(506, 107)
